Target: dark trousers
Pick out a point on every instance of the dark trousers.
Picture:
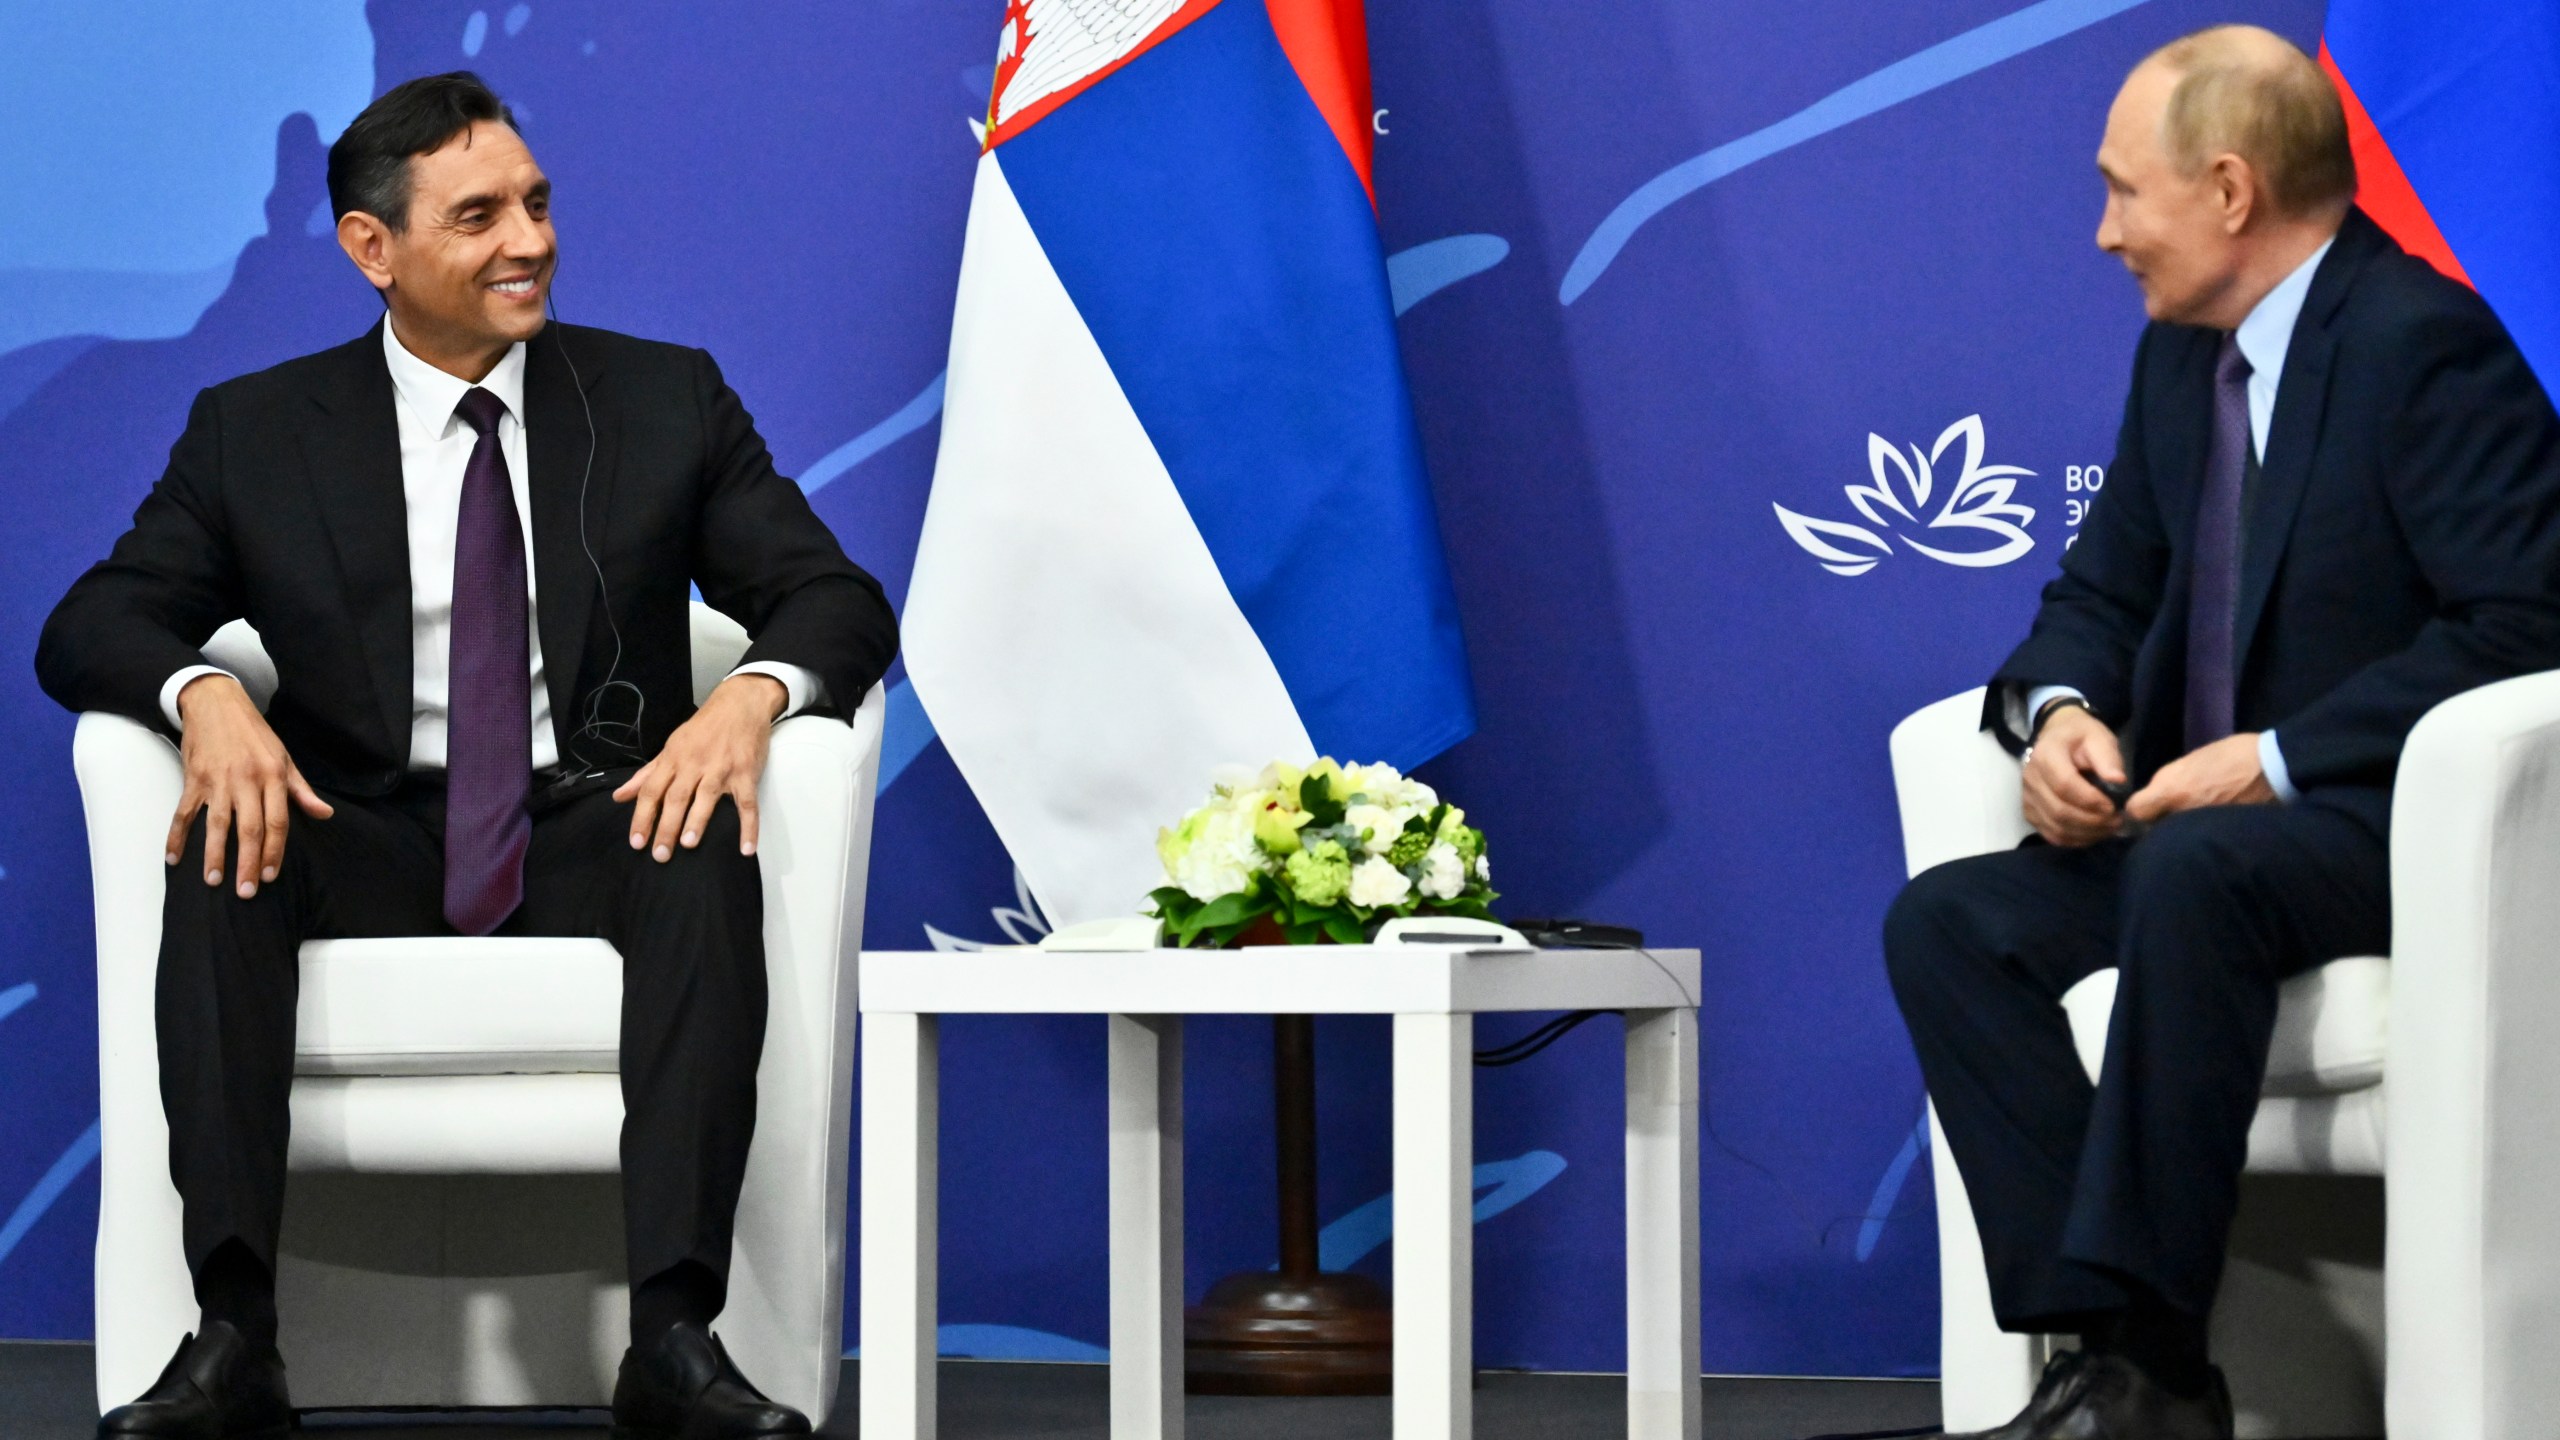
(691, 933)
(2078, 1189)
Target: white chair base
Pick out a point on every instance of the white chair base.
(453, 1223)
(2459, 1120)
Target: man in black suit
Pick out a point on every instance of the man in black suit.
(2335, 503)
(466, 540)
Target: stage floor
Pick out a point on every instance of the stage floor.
(46, 1393)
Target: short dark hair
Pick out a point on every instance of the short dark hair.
(369, 164)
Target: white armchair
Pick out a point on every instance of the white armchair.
(453, 1224)
(2455, 1104)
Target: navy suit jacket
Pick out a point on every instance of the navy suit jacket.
(284, 503)
(2402, 543)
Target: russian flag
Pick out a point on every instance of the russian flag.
(2454, 110)
(1179, 518)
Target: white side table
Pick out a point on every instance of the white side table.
(1434, 993)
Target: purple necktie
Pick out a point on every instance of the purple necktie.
(2213, 596)
(489, 734)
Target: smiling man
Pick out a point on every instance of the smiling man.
(466, 539)
(2335, 503)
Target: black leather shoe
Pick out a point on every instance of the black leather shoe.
(217, 1387)
(685, 1387)
(2114, 1400)
(2055, 1390)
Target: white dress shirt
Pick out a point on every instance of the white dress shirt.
(435, 449)
(2264, 336)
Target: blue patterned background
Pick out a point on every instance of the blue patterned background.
(1662, 267)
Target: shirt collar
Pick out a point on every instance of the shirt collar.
(2267, 333)
(432, 394)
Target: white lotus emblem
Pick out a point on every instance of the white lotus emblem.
(1028, 925)
(1978, 499)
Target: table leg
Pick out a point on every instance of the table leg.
(1434, 1227)
(1146, 1226)
(901, 1124)
(1662, 1225)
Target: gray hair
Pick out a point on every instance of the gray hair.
(2252, 93)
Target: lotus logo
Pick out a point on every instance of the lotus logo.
(1977, 499)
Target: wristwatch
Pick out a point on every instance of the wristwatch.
(2035, 725)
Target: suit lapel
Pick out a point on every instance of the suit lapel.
(351, 455)
(2293, 434)
(556, 446)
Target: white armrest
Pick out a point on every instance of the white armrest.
(816, 805)
(1958, 789)
(130, 778)
(1959, 796)
(2473, 1067)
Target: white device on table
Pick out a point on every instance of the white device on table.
(1450, 930)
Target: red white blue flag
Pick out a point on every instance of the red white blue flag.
(2454, 108)
(1179, 518)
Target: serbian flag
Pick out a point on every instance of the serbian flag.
(1179, 519)
(2454, 110)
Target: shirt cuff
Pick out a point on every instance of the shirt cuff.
(2026, 705)
(2271, 760)
(803, 685)
(178, 682)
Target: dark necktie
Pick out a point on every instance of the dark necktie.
(489, 717)
(2213, 596)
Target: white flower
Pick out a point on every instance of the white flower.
(1382, 824)
(1216, 854)
(1379, 782)
(1377, 883)
(1484, 868)
(1443, 873)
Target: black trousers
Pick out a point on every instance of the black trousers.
(2077, 1190)
(691, 933)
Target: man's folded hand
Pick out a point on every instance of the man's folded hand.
(2225, 772)
(2060, 800)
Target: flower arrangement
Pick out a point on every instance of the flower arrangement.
(1325, 853)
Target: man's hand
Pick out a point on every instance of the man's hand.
(2060, 802)
(239, 774)
(720, 751)
(2223, 773)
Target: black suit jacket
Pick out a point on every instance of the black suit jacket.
(2402, 543)
(283, 503)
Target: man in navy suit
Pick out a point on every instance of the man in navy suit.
(2335, 503)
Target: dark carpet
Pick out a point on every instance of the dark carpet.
(46, 1393)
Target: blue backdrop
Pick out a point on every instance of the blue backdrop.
(1664, 269)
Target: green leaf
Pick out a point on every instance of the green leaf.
(1343, 929)
(1315, 796)
(1241, 908)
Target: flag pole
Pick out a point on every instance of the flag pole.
(1296, 1330)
